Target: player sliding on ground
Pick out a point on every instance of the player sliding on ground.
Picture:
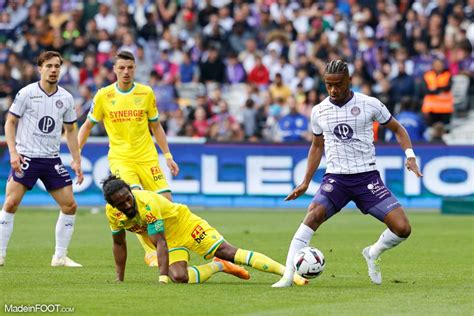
(174, 230)
(342, 126)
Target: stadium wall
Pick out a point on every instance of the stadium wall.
(260, 175)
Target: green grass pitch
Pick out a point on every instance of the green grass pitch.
(430, 274)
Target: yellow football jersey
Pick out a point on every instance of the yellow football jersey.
(155, 214)
(126, 115)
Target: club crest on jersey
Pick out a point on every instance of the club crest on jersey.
(327, 187)
(355, 111)
(59, 104)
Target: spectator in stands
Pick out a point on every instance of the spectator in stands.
(165, 93)
(18, 12)
(402, 85)
(249, 119)
(438, 101)
(235, 72)
(144, 64)
(247, 57)
(57, 17)
(213, 69)
(238, 36)
(104, 19)
(278, 89)
(293, 126)
(259, 74)
(188, 70)
(201, 123)
(437, 132)
(410, 118)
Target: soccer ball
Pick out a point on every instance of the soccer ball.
(309, 262)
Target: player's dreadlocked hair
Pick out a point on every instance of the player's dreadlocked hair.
(111, 185)
(336, 67)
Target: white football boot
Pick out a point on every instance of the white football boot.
(373, 266)
(64, 262)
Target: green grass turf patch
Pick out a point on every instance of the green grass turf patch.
(431, 273)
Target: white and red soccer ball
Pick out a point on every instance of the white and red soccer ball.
(309, 262)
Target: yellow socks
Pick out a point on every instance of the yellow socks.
(258, 261)
(200, 274)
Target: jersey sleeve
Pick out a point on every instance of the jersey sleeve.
(112, 220)
(382, 114)
(151, 108)
(96, 112)
(153, 218)
(70, 116)
(18, 107)
(317, 130)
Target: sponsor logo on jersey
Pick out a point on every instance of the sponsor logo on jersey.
(355, 111)
(60, 169)
(34, 97)
(198, 234)
(126, 115)
(59, 104)
(46, 124)
(156, 173)
(378, 189)
(343, 132)
(150, 218)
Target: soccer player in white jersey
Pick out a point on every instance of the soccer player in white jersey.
(342, 126)
(33, 134)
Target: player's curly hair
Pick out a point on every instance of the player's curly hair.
(111, 185)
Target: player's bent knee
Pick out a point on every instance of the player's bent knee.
(179, 277)
(404, 230)
(11, 204)
(69, 208)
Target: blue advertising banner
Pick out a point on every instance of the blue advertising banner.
(261, 175)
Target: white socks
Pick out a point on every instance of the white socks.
(64, 230)
(6, 229)
(386, 241)
(300, 240)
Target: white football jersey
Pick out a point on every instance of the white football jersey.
(348, 132)
(41, 117)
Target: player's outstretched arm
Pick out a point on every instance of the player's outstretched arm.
(72, 144)
(404, 140)
(120, 254)
(314, 158)
(10, 133)
(159, 240)
(160, 137)
(84, 133)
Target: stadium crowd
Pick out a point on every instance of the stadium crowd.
(251, 70)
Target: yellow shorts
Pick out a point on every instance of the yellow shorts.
(196, 236)
(146, 176)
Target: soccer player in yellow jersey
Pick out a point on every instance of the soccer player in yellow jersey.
(128, 110)
(175, 231)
